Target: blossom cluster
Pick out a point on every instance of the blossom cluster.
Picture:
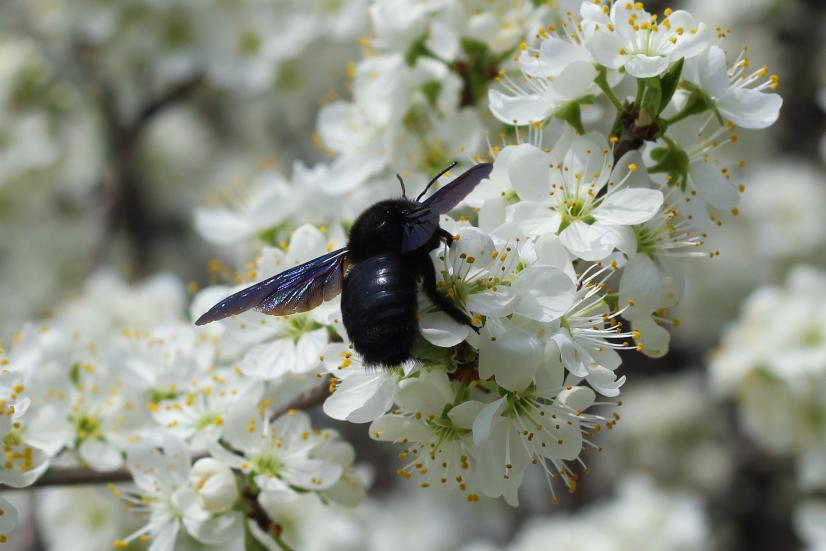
(602, 124)
(102, 388)
(641, 515)
(605, 175)
(773, 361)
(129, 54)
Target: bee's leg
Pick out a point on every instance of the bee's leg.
(446, 235)
(440, 300)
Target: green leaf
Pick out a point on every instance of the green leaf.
(431, 355)
(250, 541)
(431, 90)
(466, 354)
(572, 114)
(476, 51)
(612, 300)
(416, 50)
(697, 102)
(74, 373)
(669, 82)
(652, 96)
(273, 235)
(157, 396)
(479, 59)
(673, 161)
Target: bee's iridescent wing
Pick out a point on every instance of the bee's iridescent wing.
(292, 291)
(421, 223)
(444, 200)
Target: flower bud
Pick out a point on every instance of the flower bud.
(215, 484)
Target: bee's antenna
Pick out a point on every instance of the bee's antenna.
(433, 181)
(404, 194)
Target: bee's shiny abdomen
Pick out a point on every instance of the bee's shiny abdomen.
(378, 306)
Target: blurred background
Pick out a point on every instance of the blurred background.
(118, 120)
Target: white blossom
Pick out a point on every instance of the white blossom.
(360, 393)
(282, 456)
(738, 95)
(437, 437)
(164, 493)
(577, 191)
(773, 358)
(624, 35)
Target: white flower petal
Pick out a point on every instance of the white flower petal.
(551, 373)
(605, 46)
(556, 54)
(693, 42)
(8, 520)
(604, 381)
(629, 206)
(270, 360)
(485, 419)
(640, 283)
(713, 186)
(512, 357)
(574, 358)
(313, 474)
(498, 304)
(644, 66)
(529, 173)
(654, 338)
(222, 226)
(709, 71)
(576, 80)
(546, 293)
(465, 414)
(534, 218)
(396, 428)
(519, 110)
(442, 330)
(164, 539)
(427, 394)
(218, 529)
(361, 398)
(750, 108)
(100, 455)
(578, 398)
(588, 242)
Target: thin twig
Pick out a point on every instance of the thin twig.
(77, 476)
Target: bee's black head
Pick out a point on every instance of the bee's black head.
(379, 229)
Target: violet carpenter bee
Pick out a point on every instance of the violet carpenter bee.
(377, 274)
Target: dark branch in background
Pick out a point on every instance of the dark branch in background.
(77, 476)
(174, 95)
(124, 189)
(803, 121)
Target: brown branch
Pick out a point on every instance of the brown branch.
(634, 132)
(172, 96)
(123, 190)
(78, 476)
